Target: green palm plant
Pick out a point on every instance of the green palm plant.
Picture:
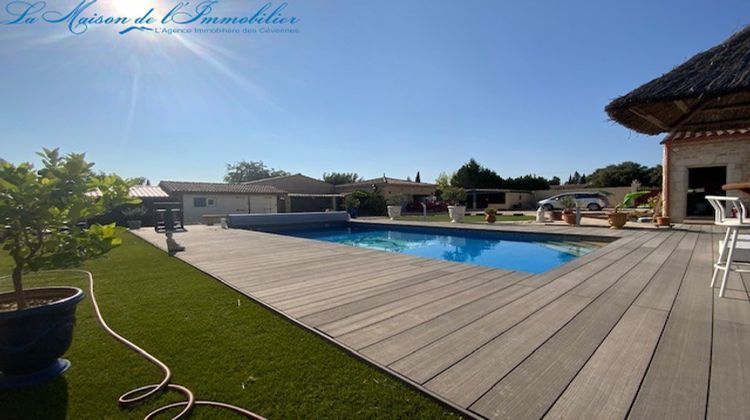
(629, 198)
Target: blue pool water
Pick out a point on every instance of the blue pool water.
(491, 249)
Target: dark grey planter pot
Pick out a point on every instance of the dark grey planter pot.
(33, 340)
(134, 224)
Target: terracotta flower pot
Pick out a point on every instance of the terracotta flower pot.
(617, 220)
(569, 217)
(490, 218)
(663, 221)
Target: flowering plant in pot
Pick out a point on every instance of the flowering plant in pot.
(454, 196)
(394, 202)
(569, 204)
(43, 213)
(617, 219)
(134, 216)
(490, 215)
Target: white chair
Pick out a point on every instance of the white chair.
(732, 237)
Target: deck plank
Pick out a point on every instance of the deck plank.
(407, 342)
(630, 329)
(373, 333)
(439, 355)
(530, 382)
(488, 365)
(338, 312)
(605, 387)
(730, 361)
(354, 322)
(676, 382)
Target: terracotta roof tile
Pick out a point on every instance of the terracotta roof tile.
(214, 187)
(706, 135)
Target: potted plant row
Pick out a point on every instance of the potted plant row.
(42, 213)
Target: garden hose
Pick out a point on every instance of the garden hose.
(141, 394)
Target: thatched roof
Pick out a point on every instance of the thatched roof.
(709, 91)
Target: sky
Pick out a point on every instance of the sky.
(371, 87)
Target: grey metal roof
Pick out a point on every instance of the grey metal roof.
(147, 191)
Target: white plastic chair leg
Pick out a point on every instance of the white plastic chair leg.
(722, 253)
(730, 258)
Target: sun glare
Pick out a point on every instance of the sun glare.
(131, 8)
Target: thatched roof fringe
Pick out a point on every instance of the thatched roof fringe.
(709, 91)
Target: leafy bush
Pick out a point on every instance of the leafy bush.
(42, 213)
(568, 202)
(134, 213)
(371, 203)
(351, 202)
(454, 195)
(395, 200)
(629, 199)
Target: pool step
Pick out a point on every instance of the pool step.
(572, 248)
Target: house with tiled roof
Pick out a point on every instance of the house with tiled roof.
(201, 202)
(309, 194)
(410, 190)
(205, 200)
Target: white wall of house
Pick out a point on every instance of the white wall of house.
(194, 206)
(263, 204)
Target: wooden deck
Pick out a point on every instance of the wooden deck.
(631, 330)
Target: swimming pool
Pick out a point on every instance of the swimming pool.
(510, 251)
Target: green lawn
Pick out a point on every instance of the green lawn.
(218, 343)
(467, 219)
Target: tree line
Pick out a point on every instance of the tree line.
(473, 175)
